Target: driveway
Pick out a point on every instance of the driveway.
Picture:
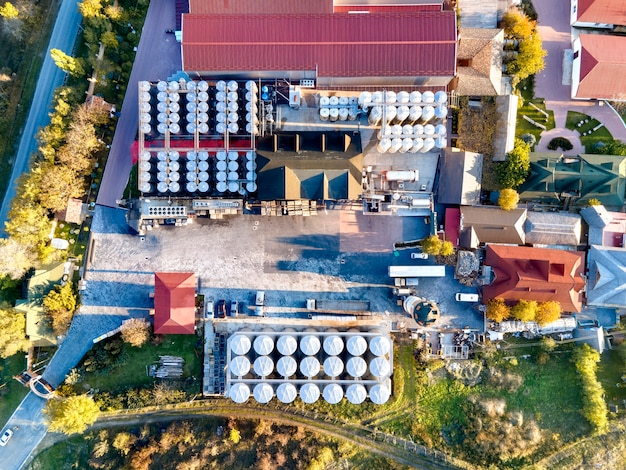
(555, 31)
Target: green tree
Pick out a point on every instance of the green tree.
(614, 147)
(548, 312)
(431, 245)
(594, 408)
(71, 415)
(513, 171)
(67, 63)
(60, 304)
(524, 310)
(8, 11)
(497, 310)
(508, 199)
(12, 333)
(109, 39)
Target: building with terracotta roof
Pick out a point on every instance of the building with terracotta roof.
(485, 224)
(599, 67)
(174, 303)
(540, 274)
(598, 13)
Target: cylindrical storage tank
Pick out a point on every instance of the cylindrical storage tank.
(383, 145)
(174, 117)
(161, 166)
(192, 97)
(415, 97)
(441, 142)
(390, 113)
(191, 165)
(221, 128)
(440, 130)
(251, 117)
(233, 127)
(233, 117)
(286, 344)
(203, 86)
(324, 114)
(252, 129)
(286, 392)
(251, 176)
(251, 86)
(310, 345)
(251, 187)
(239, 366)
(428, 112)
(220, 85)
(162, 96)
(250, 165)
(407, 144)
(175, 107)
(251, 98)
(263, 345)
(221, 166)
(365, 98)
(343, 114)
(173, 187)
(144, 156)
(203, 176)
(263, 366)
(396, 144)
(352, 114)
(203, 165)
(376, 114)
(221, 155)
(356, 367)
(161, 107)
(174, 128)
(232, 85)
(324, 101)
(428, 97)
(441, 112)
(384, 132)
(429, 144)
(175, 97)
(251, 108)
(191, 117)
(240, 344)
(162, 176)
(379, 394)
(263, 393)
(333, 393)
(191, 128)
(333, 101)
(441, 97)
(418, 143)
(145, 117)
(309, 367)
(191, 176)
(233, 107)
(334, 114)
(145, 128)
(402, 113)
(162, 187)
(403, 97)
(429, 130)
(145, 107)
(232, 96)
(381, 345)
(286, 366)
(415, 112)
(396, 130)
(333, 366)
(418, 129)
(191, 155)
(203, 107)
(174, 167)
(401, 175)
(356, 345)
(239, 392)
(145, 187)
(377, 97)
(343, 101)
(309, 393)
(161, 85)
(203, 186)
(220, 176)
(391, 97)
(220, 96)
(356, 394)
(407, 129)
(144, 97)
(221, 187)
(233, 176)
(203, 155)
(162, 117)
(379, 367)
(191, 85)
(191, 187)
(173, 86)
(233, 186)
(144, 86)
(333, 345)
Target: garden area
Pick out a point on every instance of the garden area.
(11, 391)
(534, 109)
(591, 130)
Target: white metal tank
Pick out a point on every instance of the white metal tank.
(221, 186)
(203, 86)
(333, 393)
(251, 186)
(263, 366)
(415, 112)
(221, 155)
(352, 114)
(376, 114)
(161, 107)
(356, 345)
(221, 128)
(240, 344)
(407, 129)
(324, 101)
(145, 117)
(251, 117)
(232, 85)
(175, 96)
(402, 113)
(381, 345)
(429, 144)
(144, 156)
(429, 130)
(333, 345)
(233, 117)
(418, 143)
(356, 394)
(251, 98)
(173, 187)
(391, 97)
(418, 129)
(220, 96)
(221, 176)
(252, 129)
(379, 367)
(233, 127)
(384, 132)
(162, 176)
(161, 85)
(233, 107)
(309, 393)
(441, 142)
(377, 97)
(233, 186)
(390, 113)
(365, 98)
(173, 86)
(146, 187)
(310, 345)
(343, 114)
(251, 86)
(203, 176)
(203, 186)
(441, 112)
(174, 117)
(191, 128)
(333, 101)
(384, 145)
(428, 97)
(162, 187)
(191, 86)
(263, 345)
(161, 165)
(333, 366)
(441, 97)
(407, 144)
(145, 128)
(356, 367)
(440, 130)
(191, 117)
(333, 114)
(309, 366)
(379, 394)
(162, 117)
(144, 86)
(232, 96)
(191, 187)
(162, 96)
(232, 176)
(286, 366)
(343, 101)
(324, 114)
(233, 165)
(263, 392)
(396, 144)
(203, 165)
(174, 128)
(175, 107)
(402, 175)
(286, 392)
(250, 165)
(415, 97)
(286, 344)
(144, 97)
(403, 97)
(251, 176)
(203, 107)
(220, 85)
(239, 392)
(239, 366)
(192, 97)
(396, 130)
(428, 112)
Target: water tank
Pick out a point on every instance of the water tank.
(324, 114)
(333, 114)
(203, 86)
(324, 101)
(144, 86)
(407, 144)
(161, 107)
(239, 392)
(383, 146)
(162, 176)
(191, 128)
(162, 165)
(441, 142)
(418, 143)
(356, 394)
(232, 85)
(441, 112)
(174, 117)
(220, 176)
(415, 113)
(220, 85)
(309, 393)
(203, 176)
(202, 107)
(333, 101)
(376, 114)
(191, 86)
(203, 155)
(402, 175)
(333, 345)
(175, 107)
(333, 366)
(379, 394)
(310, 345)
(380, 345)
(343, 114)
(144, 156)
(251, 108)
(402, 113)
(192, 97)
(191, 187)
(250, 165)
(286, 366)
(391, 97)
(145, 117)
(162, 117)
(162, 96)
(396, 144)
(384, 132)
(233, 127)
(233, 186)
(173, 187)
(440, 130)
(441, 97)
(191, 165)
(352, 114)
(144, 97)
(174, 175)
(251, 117)
(263, 393)
(286, 392)
(263, 345)
(428, 112)
(356, 367)
(356, 345)
(252, 129)
(333, 393)
(429, 144)
(239, 366)
(233, 107)
(390, 113)
(377, 97)
(221, 155)
(286, 344)
(145, 107)
(309, 367)
(403, 97)
(263, 366)
(162, 187)
(343, 101)
(233, 176)
(174, 96)
(203, 186)
(407, 129)
(161, 85)
(191, 176)
(174, 128)
(191, 117)
(365, 98)
(240, 344)
(379, 367)
(221, 166)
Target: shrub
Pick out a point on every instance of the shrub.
(560, 142)
(530, 139)
(508, 199)
(513, 171)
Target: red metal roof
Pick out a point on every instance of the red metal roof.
(174, 303)
(602, 66)
(453, 220)
(387, 8)
(602, 11)
(336, 45)
(539, 274)
(252, 7)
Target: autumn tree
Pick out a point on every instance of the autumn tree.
(67, 63)
(12, 333)
(60, 304)
(16, 258)
(593, 202)
(524, 310)
(447, 248)
(123, 442)
(530, 60)
(516, 25)
(513, 171)
(498, 310)
(594, 407)
(234, 435)
(508, 199)
(548, 312)
(431, 245)
(90, 8)
(71, 415)
(135, 332)
(8, 11)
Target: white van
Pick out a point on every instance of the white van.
(460, 297)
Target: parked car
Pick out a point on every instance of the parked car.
(418, 255)
(233, 308)
(6, 437)
(209, 309)
(460, 297)
(221, 308)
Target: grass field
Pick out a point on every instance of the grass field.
(610, 372)
(601, 135)
(525, 127)
(11, 391)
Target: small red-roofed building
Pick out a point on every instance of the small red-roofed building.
(174, 303)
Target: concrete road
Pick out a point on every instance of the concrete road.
(157, 58)
(50, 77)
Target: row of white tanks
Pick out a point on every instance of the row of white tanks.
(338, 108)
(309, 392)
(367, 99)
(413, 139)
(169, 170)
(404, 114)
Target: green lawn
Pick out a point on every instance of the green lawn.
(610, 373)
(525, 127)
(601, 135)
(11, 391)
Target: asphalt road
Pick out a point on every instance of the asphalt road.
(158, 57)
(63, 37)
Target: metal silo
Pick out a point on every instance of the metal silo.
(286, 392)
(376, 114)
(333, 345)
(441, 112)
(286, 366)
(191, 187)
(390, 113)
(263, 345)
(390, 97)
(240, 344)
(310, 345)
(309, 367)
(286, 344)
(396, 144)
(263, 393)
(356, 367)
(429, 144)
(220, 85)
(384, 145)
(333, 393)
(418, 143)
(203, 186)
(379, 367)
(356, 345)
(333, 366)
(309, 393)
(356, 394)
(333, 101)
(203, 176)
(418, 130)
(263, 366)
(379, 394)
(380, 345)
(365, 98)
(239, 366)
(239, 392)
(428, 112)
(232, 85)
(441, 142)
